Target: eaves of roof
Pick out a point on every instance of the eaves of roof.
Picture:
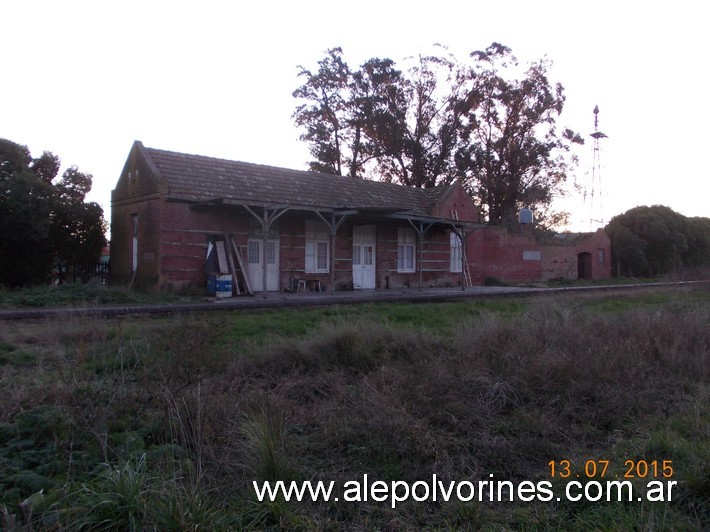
(205, 180)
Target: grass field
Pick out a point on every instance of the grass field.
(86, 295)
(163, 423)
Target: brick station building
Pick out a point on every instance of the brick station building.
(178, 218)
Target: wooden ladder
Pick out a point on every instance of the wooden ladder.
(466, 271)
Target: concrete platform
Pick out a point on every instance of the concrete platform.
(317, 299)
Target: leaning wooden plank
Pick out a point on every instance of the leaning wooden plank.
(232, 269)
(221, 257)
(243, 267)
(235, 271)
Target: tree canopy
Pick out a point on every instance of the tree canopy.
(512, 154)
(656, 240)
(485, 122)
(45, 219)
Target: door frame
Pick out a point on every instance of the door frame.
(256, 273)
(365, 236)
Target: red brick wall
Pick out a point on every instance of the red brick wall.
(136, 179)
(562, 261)
(184, 236)
(435, 257)
(456, 200)
(137, 192)
(174, 255)
(601, 266)
(559, 262)
(185, 233)
(148, 212)
(493, 252)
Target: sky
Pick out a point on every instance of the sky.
(84, 79)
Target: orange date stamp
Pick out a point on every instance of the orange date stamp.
(599, 468)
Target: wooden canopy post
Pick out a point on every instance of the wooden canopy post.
(334, 224)
(269, 216)
(421, 230)
(230, 262)
(265, 226)
(463, 232)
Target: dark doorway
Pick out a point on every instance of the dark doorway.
(584, 266)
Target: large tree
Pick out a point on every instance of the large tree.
(378, 121)
(45, 218)
(513, 155)
(13, 159)
(440, 120)
(325, 115)
(25, 213)
(418, 130)
(77, 229)
(341, 109)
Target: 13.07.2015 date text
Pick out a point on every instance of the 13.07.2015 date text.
(600, 469)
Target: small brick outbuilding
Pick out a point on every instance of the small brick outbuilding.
(517, 257)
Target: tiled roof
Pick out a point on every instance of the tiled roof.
(199, 178)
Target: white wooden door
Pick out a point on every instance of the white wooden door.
(364, 256)
(256, 258)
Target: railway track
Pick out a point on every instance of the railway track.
(316, 299)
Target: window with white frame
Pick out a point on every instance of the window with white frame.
(253, 252)
(317, 247)
(456, 252)
(406, 244)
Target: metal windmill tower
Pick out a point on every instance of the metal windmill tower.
(593, 195)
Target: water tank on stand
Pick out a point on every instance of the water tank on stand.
(525, 216)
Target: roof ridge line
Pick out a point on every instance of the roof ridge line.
(416, 190)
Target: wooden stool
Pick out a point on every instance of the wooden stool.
(316, 283)
(301, 283)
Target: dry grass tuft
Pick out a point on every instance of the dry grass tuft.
(499, 393)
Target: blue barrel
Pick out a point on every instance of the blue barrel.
(224, 286)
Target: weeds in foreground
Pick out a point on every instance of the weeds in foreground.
(78, 294)
(166, 425)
